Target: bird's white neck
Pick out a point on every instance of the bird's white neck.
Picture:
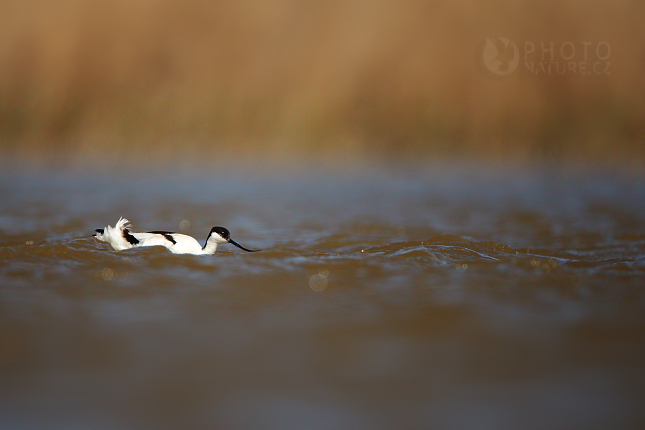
(210, 247)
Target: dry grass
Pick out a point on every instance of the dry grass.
(336, 79)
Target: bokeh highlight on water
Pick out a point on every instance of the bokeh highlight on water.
(457, 299)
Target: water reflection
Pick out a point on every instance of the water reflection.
(318, 282)
(509, 304)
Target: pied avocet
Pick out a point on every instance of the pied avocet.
(120, 237)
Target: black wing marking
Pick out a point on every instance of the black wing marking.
(131, 239)
(166, 234)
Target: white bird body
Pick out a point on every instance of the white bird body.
(119, 237)
(116, 236)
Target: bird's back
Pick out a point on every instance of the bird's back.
(176, 243)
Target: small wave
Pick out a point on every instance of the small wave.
(445, 250)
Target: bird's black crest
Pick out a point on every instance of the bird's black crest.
(221, 231)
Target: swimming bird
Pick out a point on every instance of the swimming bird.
(120, 237)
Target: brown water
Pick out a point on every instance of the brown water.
(460, 300)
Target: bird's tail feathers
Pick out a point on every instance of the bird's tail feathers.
(122, 224)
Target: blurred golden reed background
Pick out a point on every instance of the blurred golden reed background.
(196, 80)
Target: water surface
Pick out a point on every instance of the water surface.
(450, 300)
